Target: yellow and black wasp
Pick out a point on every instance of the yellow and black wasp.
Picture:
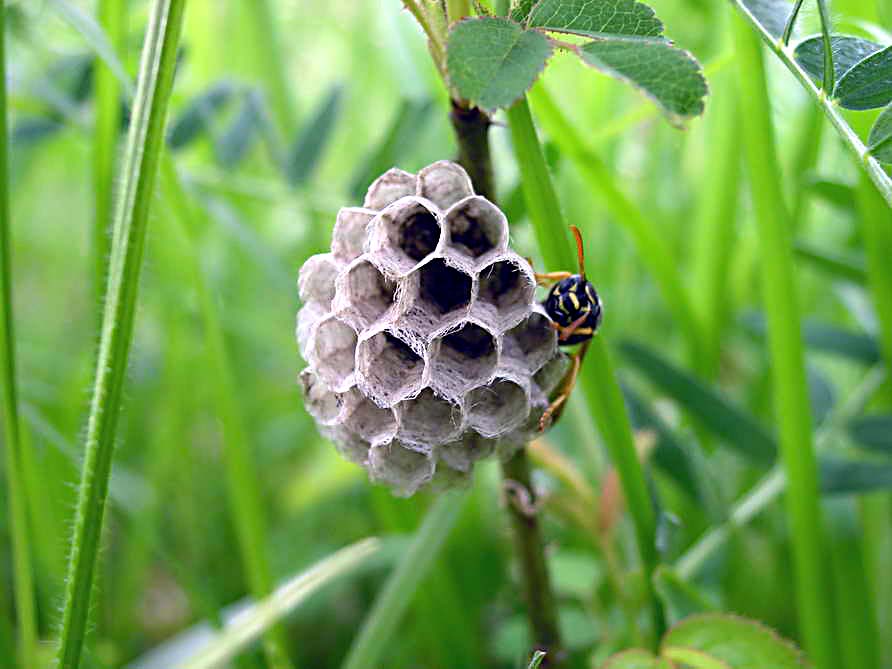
(575, 311)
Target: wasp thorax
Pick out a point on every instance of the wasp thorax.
(426, 350)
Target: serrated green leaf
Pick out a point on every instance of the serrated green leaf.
(632, 659)
(880, 138)
(848, 476)
(738, 429)
(872, 432)
(494, 61)
(867, 85)
(739, 643)
(306, 151)
(600, 18)
(667, 75)
(847, 52)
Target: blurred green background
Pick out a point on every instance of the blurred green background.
(284, 111)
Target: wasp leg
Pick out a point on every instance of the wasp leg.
(551, 277)
(554, 410)
(567, 332)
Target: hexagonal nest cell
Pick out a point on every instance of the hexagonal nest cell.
(400, 466)
(535, 340)
(368, 420)
(333, 351)
(476, 228)
(444, 183)
(404, 234)
(351, 232)
(425, 347)
(317, 279)
(429, 419)
(389, 368)
(364, 294)
(463, 359)
(506, 293)
(497, 408)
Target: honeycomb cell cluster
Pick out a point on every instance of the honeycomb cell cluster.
(426, 350)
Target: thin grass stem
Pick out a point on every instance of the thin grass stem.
(107, 126)
(790, 387)
(23, 578)
(598, 379)
(791, 22)
(398, 592)
(144, 143)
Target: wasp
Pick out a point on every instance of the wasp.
(575, 311)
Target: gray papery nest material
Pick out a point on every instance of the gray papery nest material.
(425, 346)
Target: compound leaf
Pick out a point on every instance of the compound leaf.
(493, 61)
(873, 433)
(880, 138)
(669, 76)
(599, 18)
(848, 51)
(848, 476)
(867, 85)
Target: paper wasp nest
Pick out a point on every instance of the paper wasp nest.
(426, 348)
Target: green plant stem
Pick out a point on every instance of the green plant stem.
(829, 80)
(131, 218)
(399, 590)
(537, 589)
(107, 125)
(472, 135)
(598, 379)
(791, 22)
(790, 387)
(457, 10)
(471, 127)
(850, 138)
(241, 476)
(23, 579)
(774, 483)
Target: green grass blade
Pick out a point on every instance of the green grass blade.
(131, 218)
(269, 612)
(876, 231)
(790, 386)
(399, 590)
(107, 129)
(652, 248)
(837, 265)
(737, 428)
(241, 476)
(23, 579)
(598, 378)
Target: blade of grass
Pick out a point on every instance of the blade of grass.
(23, 578)
(131, 218)
(652, 248)
(241, 476)
(790, 388)
(269, 612)
(107, 126)
(598, 379)
(393, 600)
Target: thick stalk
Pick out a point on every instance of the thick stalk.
(598, 380)
(789, 384)
(23, 583)
(472, 134)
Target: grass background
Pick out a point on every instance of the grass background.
(347, 90)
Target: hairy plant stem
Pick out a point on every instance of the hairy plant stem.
(471, 127)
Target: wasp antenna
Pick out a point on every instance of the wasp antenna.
(580, 251)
